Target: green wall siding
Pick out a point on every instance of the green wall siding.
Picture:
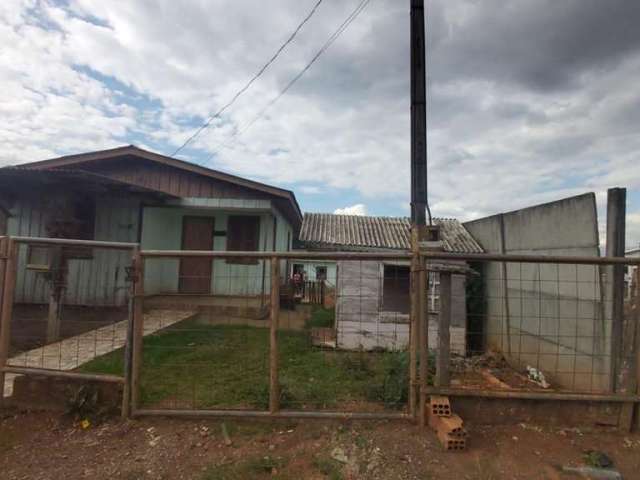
(162, 230)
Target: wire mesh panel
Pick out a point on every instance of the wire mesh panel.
(348, 353)
(207, 349)
(539, 327)
(70, 308)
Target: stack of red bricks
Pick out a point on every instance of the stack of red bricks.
(447, 425)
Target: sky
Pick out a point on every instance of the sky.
(528, 100)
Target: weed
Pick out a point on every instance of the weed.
(322, 318)
(329, 467)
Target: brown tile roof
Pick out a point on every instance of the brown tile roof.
(326, 230)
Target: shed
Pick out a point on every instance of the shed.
(372, 297)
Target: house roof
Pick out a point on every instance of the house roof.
(74, 161)
(326, 230)
(84, 180)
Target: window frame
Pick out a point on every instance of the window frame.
(237, 240)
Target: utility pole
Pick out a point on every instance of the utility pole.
(418, 289)
(418, 116)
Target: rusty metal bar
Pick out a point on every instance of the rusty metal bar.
(47, 372)
(74, 242)
(9, 285)
(403, 255)
(281, 255)
(274, 386)
(518, 258)
(524, 395)
(138, 329)
(128, 346)
(280, 414)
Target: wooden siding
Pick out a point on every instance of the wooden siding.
(361, 322)
(99, 281)
(174, 181)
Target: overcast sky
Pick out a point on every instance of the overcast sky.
(528, 100)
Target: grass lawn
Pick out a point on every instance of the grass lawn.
(199, 366)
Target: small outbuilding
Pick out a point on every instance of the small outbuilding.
(372, 297)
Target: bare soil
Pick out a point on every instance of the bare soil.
(37, 445)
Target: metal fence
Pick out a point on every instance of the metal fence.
(65, 306)
(393, 329)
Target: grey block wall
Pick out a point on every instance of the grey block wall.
(545, 315)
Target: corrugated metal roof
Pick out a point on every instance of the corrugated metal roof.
(355, 231)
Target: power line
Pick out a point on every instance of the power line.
(211, 118)
(334, 36)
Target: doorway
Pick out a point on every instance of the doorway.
(195, 273)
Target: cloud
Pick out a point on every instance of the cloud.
(358, 209)
(528, 100)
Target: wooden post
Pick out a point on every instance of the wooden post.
(444, 325)
(9, 284)
(616, 211)
(274, 386)
(138, 329)
(636, 345)
(57, 279)
(424, 340)
(128, 346)
(3, 260)
(505, 286)
(414, 323)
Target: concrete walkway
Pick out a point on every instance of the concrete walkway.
(70, 353)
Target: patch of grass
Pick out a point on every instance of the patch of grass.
(225, 366)
(322, 318)
(329, 467)
(254, 467)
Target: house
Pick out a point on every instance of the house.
(128, 194)
(372, 297)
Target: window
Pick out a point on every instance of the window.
(434, 292)
(243, 235)
(38, 258)
(395, 289)
(3, 221)
(321, 273)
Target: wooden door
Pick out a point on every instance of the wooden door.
(195, 273)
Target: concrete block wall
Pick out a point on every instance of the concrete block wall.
(556, 315)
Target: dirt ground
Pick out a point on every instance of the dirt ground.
(37, 445)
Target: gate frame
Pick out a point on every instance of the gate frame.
(9, 251)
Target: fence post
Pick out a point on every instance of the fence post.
(414, 322)
(424, 339)
(444, 324)
(10, 271)
(636, 344)
(138, 329)
(128, 344)
(274, 386)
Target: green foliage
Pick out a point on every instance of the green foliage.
(329, 467)
(322, 318)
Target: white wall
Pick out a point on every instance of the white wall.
(554, 319)
(362, 324)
